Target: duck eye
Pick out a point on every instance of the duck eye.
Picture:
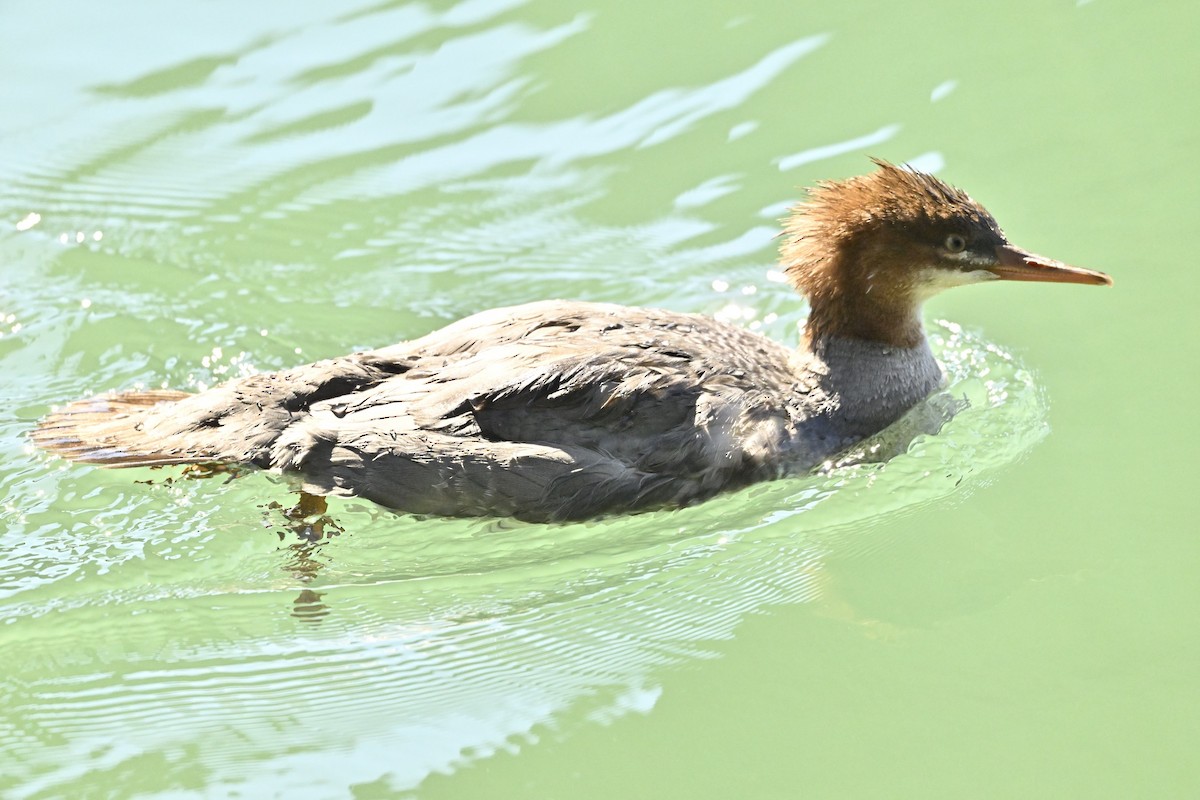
(956, 243)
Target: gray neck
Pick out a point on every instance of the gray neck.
(866, 385)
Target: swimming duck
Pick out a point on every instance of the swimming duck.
(562, 410)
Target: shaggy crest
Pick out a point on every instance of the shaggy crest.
(898, 197)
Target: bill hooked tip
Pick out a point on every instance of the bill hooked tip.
(1015, 264)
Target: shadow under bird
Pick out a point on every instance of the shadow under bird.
(562, 410)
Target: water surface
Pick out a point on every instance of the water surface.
(194, 193)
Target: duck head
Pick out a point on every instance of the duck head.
(868, 252)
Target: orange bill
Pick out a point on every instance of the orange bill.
(1015, 264)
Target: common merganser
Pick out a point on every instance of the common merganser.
(561, 410)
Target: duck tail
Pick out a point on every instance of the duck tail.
(110, 431)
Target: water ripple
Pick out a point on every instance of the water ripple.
(449, 644)
(337, 179)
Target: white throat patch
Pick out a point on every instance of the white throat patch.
(932, 280)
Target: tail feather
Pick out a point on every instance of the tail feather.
(107, 430)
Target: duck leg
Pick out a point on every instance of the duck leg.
(309, 505)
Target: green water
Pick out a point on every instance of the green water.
(191, 192)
